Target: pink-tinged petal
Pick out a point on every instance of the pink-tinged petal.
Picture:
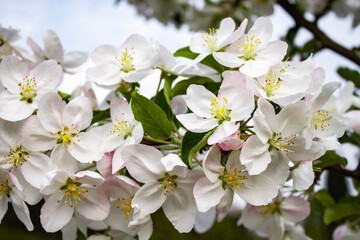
(295, 209)
(96, 206)
(146, 230)
(222, 132)
(303, 176)
(212, 165)
(276, 227)
(86, 148)
(88, 177)
(178, 105)
(258, 189)
(116, 219)
(197, 124)
(198, 99)
(104, 165)
(12, 71)
(52, 46)
(225, 204)
(148, 199)
(228, 59)
(13, 109)
(231, 144)
(63, 159)
(266, 109)
(207, 194)
(78, 112)
(39, 53)
(47, 74)
(174, 165)
(252, 218)
(255, 155)
(21, 210)
(3, 206)
(119, 186)
(143, 162)
(69, 230)
(51, 108)
(55, 215)
(34, 136)
(180, 209)
(106, 74)
(74, 59)
(204, 221)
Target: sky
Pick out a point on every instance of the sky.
(85, 24)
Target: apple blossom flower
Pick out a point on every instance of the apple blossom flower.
(29, 167)
(53, 49)
(167, 183)
(346, 232)
(122, 131)
(24, 87)
(252, 52)
(233, 103)
(122, 190)
(275, 215)
(220, 182)
(275, 132)
(131, 62)
(57, 126)
(69, 192)
(7, 37)
(286, 82)
(10, 189)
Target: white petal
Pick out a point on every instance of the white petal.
(148, 199)
(197, 124)
(180, 209)
(88, 149)
(104, 74)
(207, 194)
(212, 164)
(74, 59)
(63, 159)
(12, 71)
(228, 59)
(303, 175)
(252, 218)
(51, 108)
(21, 210)
(175, 165)
(225, 204)
(204, 221)
(143, 162)
(276, 227)
(13, 109)
(34, 136)
(255, 155)
(55, 215)
(198, 99)
(78, 112)
(47, 74)
(96, 206)
(295, 209)
(52, 46)
(222, 132)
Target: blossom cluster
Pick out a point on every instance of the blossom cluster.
(259, 122)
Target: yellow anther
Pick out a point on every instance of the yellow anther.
(168, 183)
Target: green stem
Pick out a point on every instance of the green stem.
(89, 167)
(156, 140)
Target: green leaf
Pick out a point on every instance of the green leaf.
(324, 198)
(208, 61)
(191, 144)
(350, 75)
(161, 101)
(330, 158)
(349, 137)
(64, 96)
(100, 115)
(310, 46)
(151, 116)
(341, 210)
(181, 87)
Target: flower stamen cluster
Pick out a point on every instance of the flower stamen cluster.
(281, 143)
(233, 179)
(28, 89)
(249, 46)
(219, 109)
(319, 119)
(66, 136)
(168, 183)
(125, 206)
(73, 193)
(17, 156)
(126, 61)
(211, 39)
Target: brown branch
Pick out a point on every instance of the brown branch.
(337, 168)
(318, 34)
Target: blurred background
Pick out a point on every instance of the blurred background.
(328, 29)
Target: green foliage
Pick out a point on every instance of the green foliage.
(208, 61)
(346, 207)
(191, 144)
(64, 96)
(350, 75)
(151, 116)
(181, 87)
(100, 115)
(330, 158)
(350, 137)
